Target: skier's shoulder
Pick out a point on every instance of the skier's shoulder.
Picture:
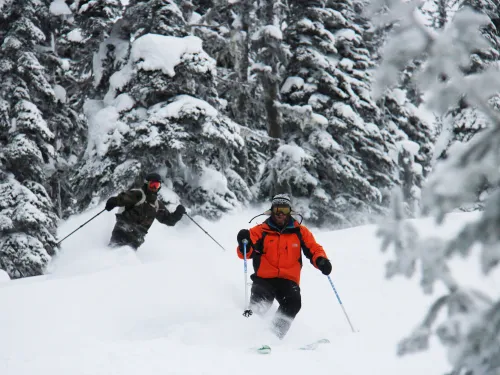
(262, 227)
(136, 193)
(302, 228)
(131, 196)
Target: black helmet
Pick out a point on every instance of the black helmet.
(152, 177)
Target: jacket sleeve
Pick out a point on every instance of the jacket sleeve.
(128, 198)
(166, 217)
(312, 250)
(255, 236)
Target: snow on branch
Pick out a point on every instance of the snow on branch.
(447, 54)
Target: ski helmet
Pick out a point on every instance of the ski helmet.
(152, 177)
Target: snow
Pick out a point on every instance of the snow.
(213, 181)
(4, 277)
(319, 119)
(59, 7)
(347, 64)
(399, 96)
(271, 31)
(175, 306)
(418, 169)
(65, 63)
(195, 17)
(60, 93)
(31, 117)
(123, 102)
(290, 82)
(410, 146)
(346, 34)
(182, 104)
(346, 111)
(75, 35)
(155, 52)
(160, 52)
(103, 126)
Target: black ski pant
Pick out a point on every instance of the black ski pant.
(126, 237)
(286, 292)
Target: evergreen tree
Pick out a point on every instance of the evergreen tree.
(87, 43)
(334, 159)
(413, 130)
(161, 113)
(33, 114)
(271, 59)
(470, 329)
(462, 122)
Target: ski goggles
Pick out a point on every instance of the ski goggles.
(281, 210)
(154, 185)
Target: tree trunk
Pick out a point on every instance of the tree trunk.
(273, 117)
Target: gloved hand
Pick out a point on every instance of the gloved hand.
(324, 265)
(244, 234)
(111, 203)
(247, 313)
(180, 210)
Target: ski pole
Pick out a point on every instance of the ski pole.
(204, 231)
(340, 302)
(88, 221)
(247, 311)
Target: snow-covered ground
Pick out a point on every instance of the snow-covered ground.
(175, 307)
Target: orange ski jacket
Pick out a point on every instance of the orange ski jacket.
(278, 252)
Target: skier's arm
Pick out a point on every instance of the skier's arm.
(128, 198)
(312, 250)
(169, 218)
(124, 199)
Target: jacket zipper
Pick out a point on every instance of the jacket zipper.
(279, 250)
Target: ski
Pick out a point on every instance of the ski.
(314, 345)
(264, 349)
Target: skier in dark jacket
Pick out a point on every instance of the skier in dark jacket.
(138, 209)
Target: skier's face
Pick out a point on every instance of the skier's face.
(154, 186)
(280, 215)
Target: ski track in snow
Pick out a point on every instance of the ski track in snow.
(175, 307)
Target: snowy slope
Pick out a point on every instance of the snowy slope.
(175, 308)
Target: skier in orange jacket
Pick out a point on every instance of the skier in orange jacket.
(275, 248)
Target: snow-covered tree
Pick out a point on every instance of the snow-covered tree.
(414, 136)
(271, 59)
(470, 330)
(164, 17)
(226, 29)
(89, 47)
(160, 113)
(32, 111)
(334, 158)
(463, 121)
(413, 130)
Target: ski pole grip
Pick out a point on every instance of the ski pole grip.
(245, 241)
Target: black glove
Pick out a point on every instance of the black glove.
(247, 313)
(111, 203)
(324, 265)
(180, 210)
(243, 234)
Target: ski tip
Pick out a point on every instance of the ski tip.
(315, 345)
(264, 349)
